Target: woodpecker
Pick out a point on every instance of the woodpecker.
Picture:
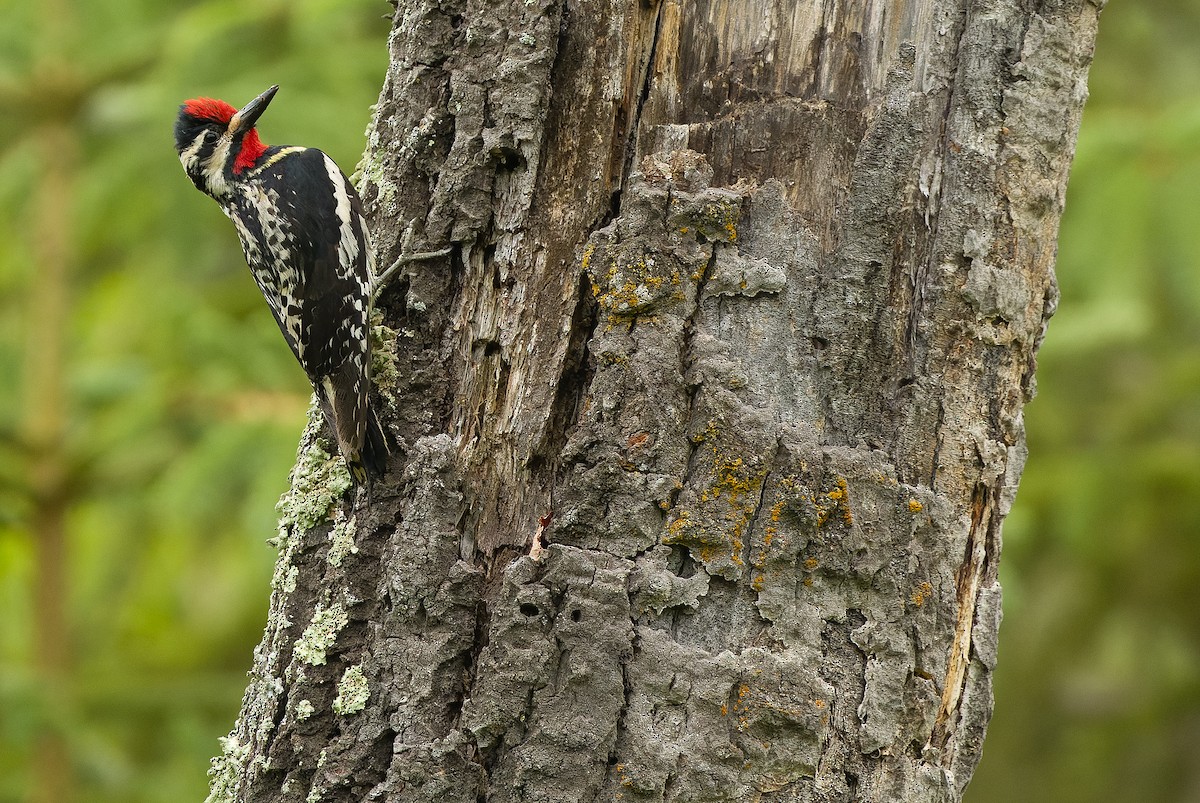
(305, 239)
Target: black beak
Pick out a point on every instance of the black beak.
(245, 119)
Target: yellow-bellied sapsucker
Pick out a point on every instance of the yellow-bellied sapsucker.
(305, 239)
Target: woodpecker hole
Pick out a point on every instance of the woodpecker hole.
(507, 158)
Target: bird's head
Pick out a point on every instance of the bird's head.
(216, 142)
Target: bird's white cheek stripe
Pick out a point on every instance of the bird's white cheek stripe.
(214, 167)
(188, 157)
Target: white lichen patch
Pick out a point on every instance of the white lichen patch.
(372, 170)
(304, 710)
(353, 692)
(341, 541)
(321, 634)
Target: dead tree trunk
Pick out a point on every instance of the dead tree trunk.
(735, 315)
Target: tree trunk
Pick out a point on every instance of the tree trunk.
(734, 331)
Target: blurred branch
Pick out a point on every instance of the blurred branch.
(45, 428)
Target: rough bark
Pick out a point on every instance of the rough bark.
(737, 321)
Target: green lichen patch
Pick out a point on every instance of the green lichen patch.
(712, 215)
(321, 634)
(656, 587)
(385, 376)
(353, 692)
(304, 710)
(736, 274)
(226, 770)
(373, 170)
(285, 577)
(318, 482)
(341, 541)
(318, 790)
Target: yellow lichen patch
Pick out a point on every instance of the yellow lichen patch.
(810, 565)
(914, 506)
(821, 706)
(759, 559)
(739, 486)
(741, 707)
(678, 529)
(701, 540)
(760, 711)
(728, 502)
(719, 221)
(790, 494)
(921, 593)
(612, 358)
(709, 433)
(777, 510)
(835, 501)
(631, 285)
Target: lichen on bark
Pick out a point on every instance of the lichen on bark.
(733, 308)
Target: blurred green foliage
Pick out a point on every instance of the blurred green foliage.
(1098, 684)
(180, 403)
(182, 406)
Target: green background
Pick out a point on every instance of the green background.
(149, 398)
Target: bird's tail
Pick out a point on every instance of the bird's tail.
(375, 449)
(359, 436)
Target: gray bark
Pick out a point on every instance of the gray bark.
(734, 331)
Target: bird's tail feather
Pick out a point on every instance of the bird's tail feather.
(350, 416)
(375, 449)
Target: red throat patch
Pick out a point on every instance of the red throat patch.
(252, 149)
(210, 109)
